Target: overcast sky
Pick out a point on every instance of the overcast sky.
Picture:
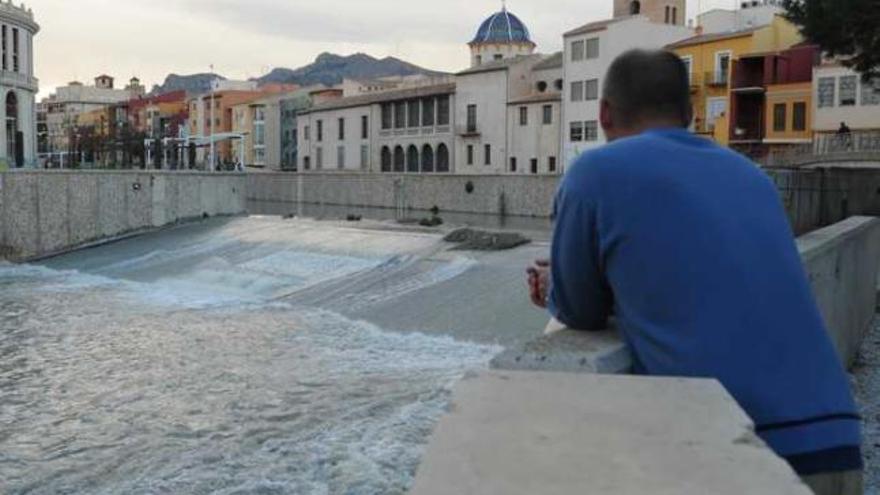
(80, 39)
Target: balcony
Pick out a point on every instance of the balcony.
(717, 78)
(19, 80)
(469, 131)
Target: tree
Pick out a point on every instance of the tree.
(848, 29)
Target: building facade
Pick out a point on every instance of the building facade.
(588, 53)
(840, 96)
(18, 137)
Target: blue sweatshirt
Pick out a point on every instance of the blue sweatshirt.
(688, 245)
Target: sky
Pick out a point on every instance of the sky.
(80, 39)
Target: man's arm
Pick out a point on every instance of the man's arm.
(579, 296)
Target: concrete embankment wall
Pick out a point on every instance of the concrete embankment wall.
(48, 212)
(530, 196)
(843, 262)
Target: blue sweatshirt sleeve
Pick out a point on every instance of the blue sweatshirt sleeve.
(579, 297)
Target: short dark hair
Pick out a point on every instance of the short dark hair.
(648, 85)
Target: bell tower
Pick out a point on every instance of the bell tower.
(672, 12)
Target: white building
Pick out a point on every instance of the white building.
(751, 14)
(402, 131)
(588, 53)
(840, 96)
(534, 121)
(18, 142)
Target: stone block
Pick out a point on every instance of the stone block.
(519, 433)
(83, 201)
(54, 207)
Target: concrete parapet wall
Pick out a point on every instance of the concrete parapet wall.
(515, 433)
(843, 261)
(520, 195)
(48, 212)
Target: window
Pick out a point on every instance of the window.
(593, 48)
(578, 50)
(689, 63)
(386, 159)
(428, 112)
(498, 56)
(591, 89)
(487, 154)
(577, 91)
(513, 164)
(15, 49)
(779, 116)
(400, 115)
(534, 164)
(871, 93)
(551, 164)
(365, 127)
(306, 133)
(674, 15)
(542, 86)
(548, 114)
(412, 159)
(414, 118)
(722, 67)
(342, 129)
(479, 60)
(826, 92)
(307, 163)
(591, 130)
(523, 116)
(470, 154)
(799, 116)
(577, 132)
(427, 158)
(387, 116)
(365, 156)
(319, 158)
(848, 91)
(471, 118)
(399, 159)
(340, 157)
(442, 158)
(5, 63)
(442, 117)
(635, 8)
(320, 131)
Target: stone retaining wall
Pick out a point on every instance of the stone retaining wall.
(48, 212)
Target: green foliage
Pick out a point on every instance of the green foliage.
(849, 29)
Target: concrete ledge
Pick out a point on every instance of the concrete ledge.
(569, 351)
(512, 433)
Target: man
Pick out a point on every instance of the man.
(687, 245)
(844, 135)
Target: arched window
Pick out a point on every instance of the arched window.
(558, 84)
(442, 158)
(386, 159)
(412, 159)
(12, 128)
(635, 7)
(427, 159)
(399, 159)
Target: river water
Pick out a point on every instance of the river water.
(233, 357)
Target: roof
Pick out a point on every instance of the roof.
(551, 62)
(594, 26)
(502, 27)
(707, 38)
(495, 65)
(537, 98)
(369, 99)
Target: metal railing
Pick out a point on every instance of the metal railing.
(839, 145)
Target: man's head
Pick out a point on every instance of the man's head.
(645, 89)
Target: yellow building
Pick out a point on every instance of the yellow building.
(710, 58)
(789, 118)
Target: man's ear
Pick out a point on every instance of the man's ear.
(605, 117)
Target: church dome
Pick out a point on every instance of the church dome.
(502, 27)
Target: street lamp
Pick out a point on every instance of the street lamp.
(213, 80)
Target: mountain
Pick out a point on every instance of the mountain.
(193, 84)
(330, 69)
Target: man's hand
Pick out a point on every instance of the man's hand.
(539, 282)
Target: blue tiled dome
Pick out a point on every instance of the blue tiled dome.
(502, 27)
